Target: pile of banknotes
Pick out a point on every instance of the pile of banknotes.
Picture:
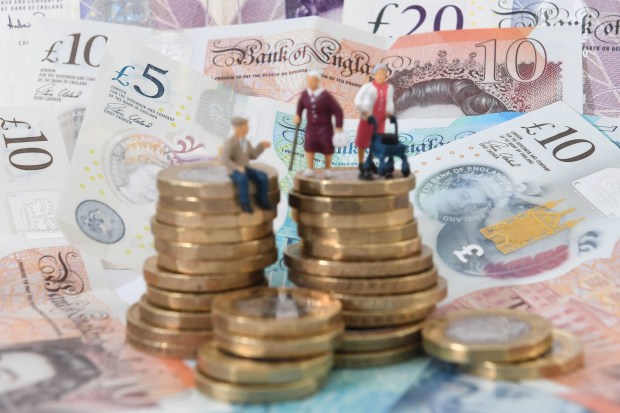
(271, 344)
(509, 111)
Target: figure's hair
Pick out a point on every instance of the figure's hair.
(72, 370)
(461, 92)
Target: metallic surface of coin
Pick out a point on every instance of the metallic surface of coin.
(274, 312)
(475, 336)
(169, 233)
(377, 358)
(161, 349)
(345, 182)
(206, 252)
(354, 221)
(359, 236)
(367, 286)
(213, 222)
(375, 319)
(209, 206)
(181, 320)
(348, 206)
(254, 263)
(298, 262)
(366, 252)
(356, 340)
(225, 367)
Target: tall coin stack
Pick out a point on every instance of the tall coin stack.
(271, 344)
(360, 243)
(206, 246)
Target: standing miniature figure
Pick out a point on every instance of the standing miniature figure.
(320, 106)
(374, 100)
(236, 157)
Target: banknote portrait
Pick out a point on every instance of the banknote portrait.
(54, 370)
(472, 197)
(329, 9)
(441, 389)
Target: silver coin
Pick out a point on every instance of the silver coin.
(100, 222)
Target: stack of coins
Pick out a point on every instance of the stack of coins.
(271, 344)
(503, 344)
(206, 246)
(360, 243)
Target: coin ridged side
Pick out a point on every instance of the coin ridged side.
(161, 349)
(364, 340)
(170, 233)
(377, 358)
(354, 221)
(212, 222)
(394, 233)
(348, 206)
(391, 318)
(345, 182)
(206, 252)
(366, 252)
(171, 319)
(209, 206)
(249, 264)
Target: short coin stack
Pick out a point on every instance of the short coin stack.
(503, 344)
(360, 243)
(271, 344)
(206, 246)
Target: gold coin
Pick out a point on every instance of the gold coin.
(206, 180)
(214, 221)
(356, 340)
(161, 349)
(392, 318)
(475, 336)
(359, 236)
(299, 262)
(176, 337)
(345, 182)
(278, 347)
(206, 252)
(367, 286)
(354, 221)
(348, 206)
(377, 358)
(276, 312)
(257, 393)
(160, 278)
(420, 299)
(225, 367)
(249, 264)
(181, 320)
(209, 206)
(366, 252)
(565, 357)
(165, 232)
(183, 301)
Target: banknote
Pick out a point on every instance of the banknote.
(583, 301)
(64, 61)
(157, 113)
(474, 71)
(176, 14)
(550, 172)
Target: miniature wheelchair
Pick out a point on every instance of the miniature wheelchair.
(385, 147)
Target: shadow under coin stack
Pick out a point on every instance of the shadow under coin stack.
(271, 344)
(206, 246)
(360, 243)
(503, 344)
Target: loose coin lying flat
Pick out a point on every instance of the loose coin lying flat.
(161, 349)
(475, 336)
(257, 393)
(206, 252)
(377, 358)
(380, 339)
(206, 180)
(345, 182)
(374, 319)
(182, 301)
(357, 205)
(253, 263)
(299, 262)
(278, 347)
(359, 236)
(367, 286)
(354, 221)
(181, 320)
(139, 329)
(171, 281)
(212, 222)
(420, 299)
(210, 206)
(366, 252)
(169, 233)
(565, 357)
(276, 312)
(225, 367)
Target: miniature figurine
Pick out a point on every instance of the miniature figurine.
(375, 102)
(236, 156)
(320, 107)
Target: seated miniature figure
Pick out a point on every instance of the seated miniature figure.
(236, 156)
